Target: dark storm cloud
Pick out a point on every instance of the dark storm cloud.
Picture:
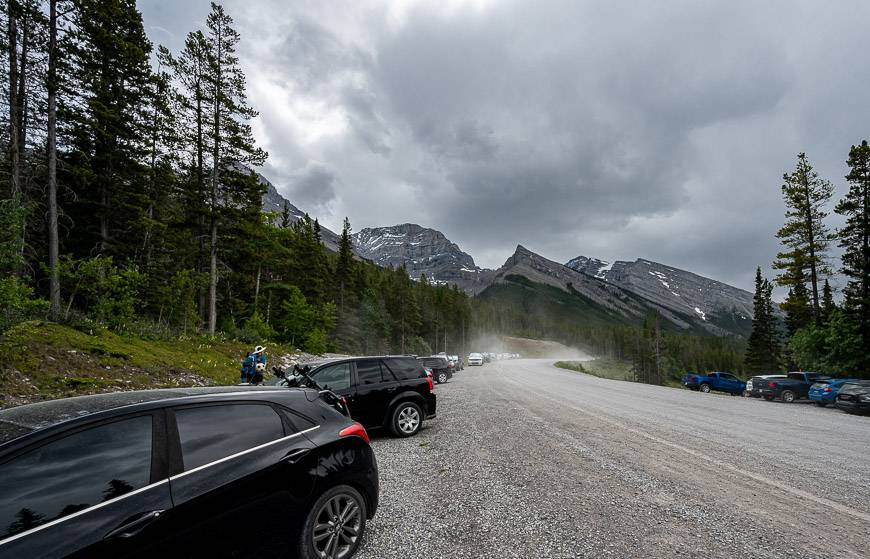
(617, 130)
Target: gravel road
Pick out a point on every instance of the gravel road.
(526, 460)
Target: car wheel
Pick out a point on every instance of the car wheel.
(769, 398)
(821, 404)
(787, 396)
(335, 525)
(407, 419)
(442, 378)
(705, 388)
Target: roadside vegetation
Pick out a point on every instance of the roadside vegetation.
(603, 367)
(45, 360)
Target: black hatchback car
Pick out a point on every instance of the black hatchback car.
(854, 397)
(384, 391)
(209, 472)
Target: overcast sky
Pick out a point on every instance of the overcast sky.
(617, 130)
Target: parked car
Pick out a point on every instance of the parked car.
(721, 382)
(457, 362)
(825, 392)
(442, 370)
(753, 385)
(475, 359)
(854, 397)
(224, 471)
(383, 391)
(795, 386)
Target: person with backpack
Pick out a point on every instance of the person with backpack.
(253, 366)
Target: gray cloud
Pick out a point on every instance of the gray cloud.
(618, 130)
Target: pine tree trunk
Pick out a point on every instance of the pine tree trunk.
(814, 280)
(212, 292)
(212, 283)
(14, 148)
(53, 248)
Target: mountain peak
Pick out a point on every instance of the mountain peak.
(422, 251)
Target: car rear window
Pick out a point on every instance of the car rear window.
(405, 368)
(73, 473)
(209, 433)
(435, 362)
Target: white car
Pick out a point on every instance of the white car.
(475, 359)
(748, 389)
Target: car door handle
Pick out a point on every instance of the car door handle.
(133, 527)
(295, 455)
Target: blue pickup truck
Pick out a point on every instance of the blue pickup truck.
(721, 382)
(795, 386)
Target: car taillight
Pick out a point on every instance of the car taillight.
(355, 430)
(829, 389)
(771, 384)
(431, 386)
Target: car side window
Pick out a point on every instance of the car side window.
(209, 433)
(74, 472)
(334, 377)
(369, 372)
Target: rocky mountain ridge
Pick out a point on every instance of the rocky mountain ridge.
(422, 251)
(629, 290)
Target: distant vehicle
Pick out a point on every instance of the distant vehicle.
(442, 370)
(825, 392)
(854, 397)
(753, 385)
(457, 362)
(385, 391)
(721, 382)
(795, 386)
(182, 473)
(475, 359)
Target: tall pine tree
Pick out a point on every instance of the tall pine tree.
(804, 235)
(232, 141)
(762, 350)
(854, 238)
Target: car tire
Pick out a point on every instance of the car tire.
(769, 398)
(787, 396)
(331, 504)
(821, 404)
(406, 419)
(442, 378)
(705, 388)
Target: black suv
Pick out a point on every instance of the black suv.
(385, 391)
(229, 471)
(442, 370)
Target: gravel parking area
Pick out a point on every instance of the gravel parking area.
(526, 460)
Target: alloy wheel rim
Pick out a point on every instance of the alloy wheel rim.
(409, 419)
(337, 527)
(442, 378)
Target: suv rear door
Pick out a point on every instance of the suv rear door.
(97, 490)
(375, 387)
(235, 483)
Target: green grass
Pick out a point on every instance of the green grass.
(602, 367)
(40, 360)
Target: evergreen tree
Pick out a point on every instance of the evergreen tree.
(762, 347)
(854, 238)
(828, 304)
(110, 56)
(232, 142)
(797, 306)
(804, 235)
